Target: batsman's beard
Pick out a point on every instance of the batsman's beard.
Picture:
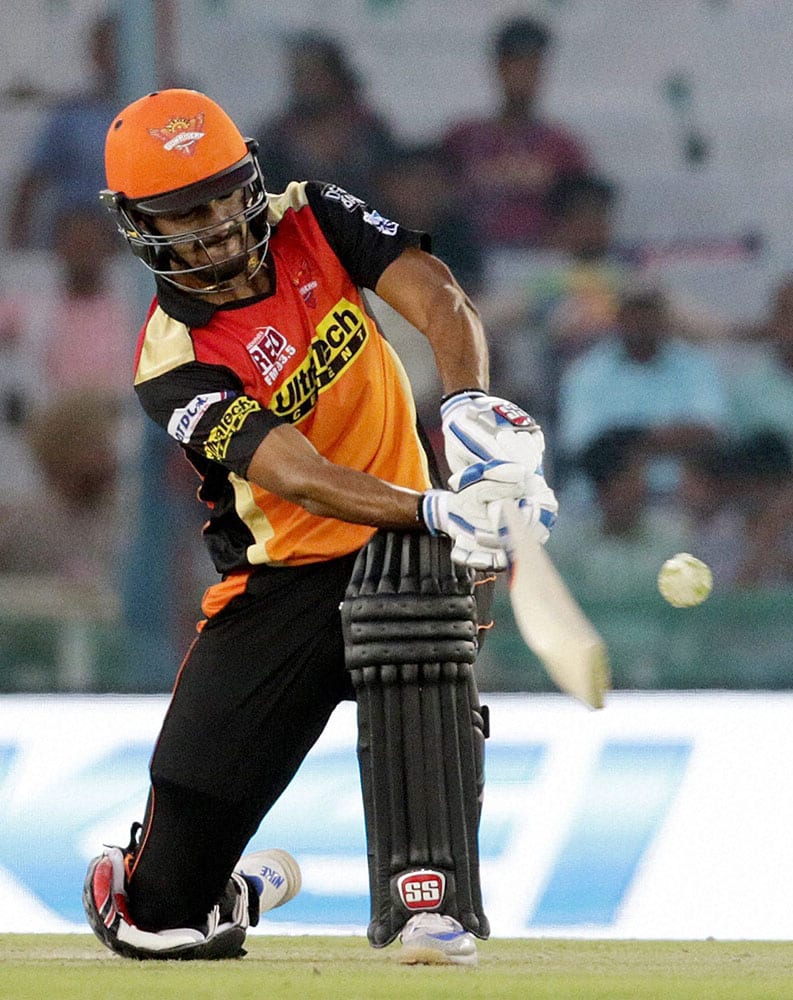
(218, 275)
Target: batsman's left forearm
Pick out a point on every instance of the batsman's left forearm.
(457, 338)
(423, 290)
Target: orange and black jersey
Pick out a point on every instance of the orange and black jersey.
(308, 353)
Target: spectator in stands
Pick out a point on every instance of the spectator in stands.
(643, 376)
(416, 185)
(20, 382)
(65, 169)
(609, 553)
(90, 339)
(327, 129)
(567, 297)
(72, 527)
(760, 378)
(710, 502)
(765, 475)
(612, 550)
(737, 495)
(508, 161)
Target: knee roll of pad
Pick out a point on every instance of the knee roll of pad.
(408, 603)
(410, 627)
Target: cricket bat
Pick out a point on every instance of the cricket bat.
(552, 624)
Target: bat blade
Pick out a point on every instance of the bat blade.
(552, 624)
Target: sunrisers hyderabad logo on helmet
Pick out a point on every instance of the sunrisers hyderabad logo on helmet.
(180, 134)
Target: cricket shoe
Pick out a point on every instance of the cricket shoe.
(274, 874)
(436, 939)
(105, 904)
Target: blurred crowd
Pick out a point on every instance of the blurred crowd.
(667, 429)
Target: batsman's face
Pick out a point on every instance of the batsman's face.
(211, 234)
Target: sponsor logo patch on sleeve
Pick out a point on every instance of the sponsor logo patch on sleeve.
(335, 193)
(234, 416)
(184, 419)
(386, 226)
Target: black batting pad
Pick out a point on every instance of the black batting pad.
(410, 628)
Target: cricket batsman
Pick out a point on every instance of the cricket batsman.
(346, 570)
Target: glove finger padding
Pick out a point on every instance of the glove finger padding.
(490, 483)
(500, 482)
(478, 427)
(466, 515)
(494, 480)
(467, 552)
(539, 507)
(537, 517)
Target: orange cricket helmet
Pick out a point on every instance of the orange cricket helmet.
(170, 152)
(169, 140)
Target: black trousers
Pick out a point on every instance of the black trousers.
(254, 694)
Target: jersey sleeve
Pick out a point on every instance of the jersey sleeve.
(364, 241)
(203, 407)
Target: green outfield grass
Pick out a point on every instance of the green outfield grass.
(77, 967)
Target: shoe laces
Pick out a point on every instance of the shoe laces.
(132, 848)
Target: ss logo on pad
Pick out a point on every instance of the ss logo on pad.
(421, 890)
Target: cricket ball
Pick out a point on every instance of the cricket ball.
(684, 580)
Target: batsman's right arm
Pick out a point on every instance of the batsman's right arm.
(287, 464)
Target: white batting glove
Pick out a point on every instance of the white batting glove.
(469, 513)
(509, 482)
(537, 514)
(538, 508)
(479, 428)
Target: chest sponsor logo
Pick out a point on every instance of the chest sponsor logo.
(340, 335)
(234, 416)
(271, 352)
(184, 419)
